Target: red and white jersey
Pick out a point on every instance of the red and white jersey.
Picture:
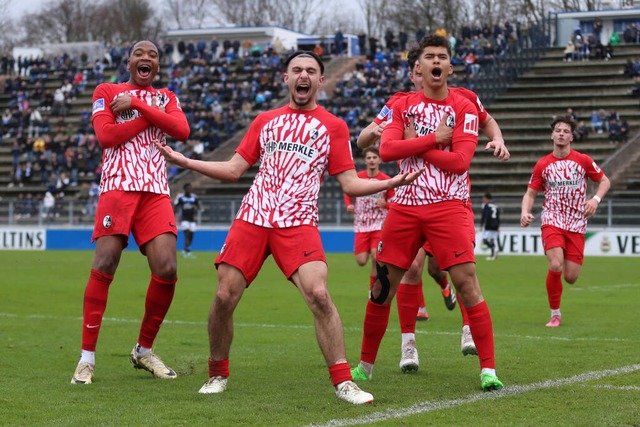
(135, 165)
(385, 113)
(368, 216)
(564, 182)
(435, 184)
(295, 148)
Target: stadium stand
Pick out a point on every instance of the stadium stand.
(356, 88)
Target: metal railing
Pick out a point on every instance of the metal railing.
(332, 212)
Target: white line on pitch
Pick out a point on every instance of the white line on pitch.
(310, 326)
(429, 406)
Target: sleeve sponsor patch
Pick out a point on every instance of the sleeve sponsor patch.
(98, 105)
(385, 114)
(471, 124)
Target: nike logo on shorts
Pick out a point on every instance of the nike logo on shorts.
(309, 253)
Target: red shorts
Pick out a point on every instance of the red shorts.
(365, 241)
(571, 243)
(445, 225)
(247, 246)
(146, 215)
(472, 233)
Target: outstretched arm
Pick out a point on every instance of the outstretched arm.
(230, 170)
(354, 186)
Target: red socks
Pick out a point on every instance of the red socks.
(95, 303)
(376, 319)
(554, 289)
(159, 297)
(340, 372)
(219, 368)
(465, 315)
(482, 331)
(408, 297)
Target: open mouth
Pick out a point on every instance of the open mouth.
(144, 70)
(436, 72)
(303, 89)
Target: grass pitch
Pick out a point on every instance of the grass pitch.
(587, 372)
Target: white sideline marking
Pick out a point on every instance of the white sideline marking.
(353, 329)
(615, 387)
(602, 288)
(427, 406)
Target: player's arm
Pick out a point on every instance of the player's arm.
(370, 134)
(103, 120)
(355, 186)
(526, 217)
(171, 120)
(230, 170)
(496, 142)
(398, 143)
(591, 205)
(348, 202)
(111, 134)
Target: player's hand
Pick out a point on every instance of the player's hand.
(154, 103)
(499, 149)
(121, 103)
(171, 155)
(590, 207)
(410, 130)
(351, 209)
(444, 133)
(377, 131)
(405, 178)
(526, 219)
(381, 203)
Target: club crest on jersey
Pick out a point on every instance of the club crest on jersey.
(98, 105)
(451, 121)
(106, 221)
(471, 124)
(314, 134)
(270, 147)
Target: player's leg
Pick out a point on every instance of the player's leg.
(441, 278)
(231, 286)
(112, 226)
(408, 297)
(310, 277)
(105, 261)
(238, 264)
(469, 294)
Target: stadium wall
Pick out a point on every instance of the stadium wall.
(511, 241)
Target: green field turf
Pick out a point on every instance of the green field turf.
(587, 372)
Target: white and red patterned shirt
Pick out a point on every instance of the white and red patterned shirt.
(436, 184)
(564, 182)
(295, 148)
(135, 165)
(368, 216)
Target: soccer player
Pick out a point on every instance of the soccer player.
(134, 198)
(295, 144)
(410, 295)
(562, 175)
(490, 223)
(188, 204)
(434, 208)
(369, 213)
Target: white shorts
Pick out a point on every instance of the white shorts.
(489, 235)
(188, 225)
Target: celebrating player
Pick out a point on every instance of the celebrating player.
(134, 198)
(295, 144)
(434, 208)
